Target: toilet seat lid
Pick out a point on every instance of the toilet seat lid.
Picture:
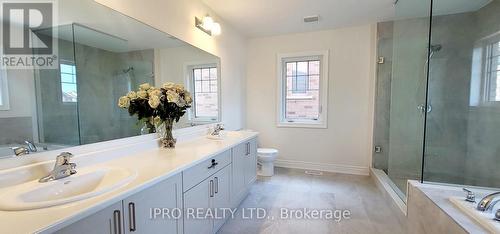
(267, 151)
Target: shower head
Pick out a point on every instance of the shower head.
(436, 47)
(128, 69)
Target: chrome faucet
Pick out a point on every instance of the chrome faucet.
(217, 129)
(62, 169)
(31, 145)
(488, 202)
(22, 150)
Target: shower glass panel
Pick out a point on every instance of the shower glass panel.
(80, 96)
(107, 68)
(401, 92)
(57, 95)
(463, 128)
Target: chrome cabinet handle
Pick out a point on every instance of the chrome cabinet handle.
(211, 188)
(248, 149)
(117, 222)
(216, 184)
(214, 163)
(131, 216)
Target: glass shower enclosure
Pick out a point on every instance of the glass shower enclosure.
(437, 112)
(76, 103)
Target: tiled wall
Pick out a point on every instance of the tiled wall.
(449, 83)
(101, 72)
(483, 126)
(15, 130)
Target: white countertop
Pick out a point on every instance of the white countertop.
(153, 165)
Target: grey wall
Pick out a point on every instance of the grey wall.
(100, 72)
(15, 130)
(58, 121)
(449, 84)
(462, 140)
(483, 148)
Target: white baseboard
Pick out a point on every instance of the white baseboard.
(327, 167)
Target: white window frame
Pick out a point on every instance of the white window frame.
(5, 91)
(189, 80)
(487, 68)
(67, 62)
(322, 121)
(484, 49)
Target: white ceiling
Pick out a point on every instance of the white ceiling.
(108, 29)
(256, 18)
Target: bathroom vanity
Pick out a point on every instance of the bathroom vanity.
(163, 185)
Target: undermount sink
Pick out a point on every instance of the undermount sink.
(88, 182)
(222, 135)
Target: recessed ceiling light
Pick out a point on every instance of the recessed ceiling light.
(311, 18)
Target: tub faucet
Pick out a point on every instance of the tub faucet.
(488, 202)
(62, 169)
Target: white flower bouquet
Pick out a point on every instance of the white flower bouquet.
(158, 107)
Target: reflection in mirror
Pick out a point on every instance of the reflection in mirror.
(101, 56)
(199, 71)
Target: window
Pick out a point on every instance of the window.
(4, 91)
(492, 72)
(69, 91)
(205, 86)
(303, 86)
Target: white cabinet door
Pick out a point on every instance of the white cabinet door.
(106, 221)
(157, 209)
(198, 197)
(238, 173)
(222, 196)
(250, 162)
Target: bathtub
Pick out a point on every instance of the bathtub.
(6, 151)
(485, 219)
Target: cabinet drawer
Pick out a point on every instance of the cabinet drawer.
(203, 170)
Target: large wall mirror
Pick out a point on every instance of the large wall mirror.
(102, 55)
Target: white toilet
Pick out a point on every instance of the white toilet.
(266, 158)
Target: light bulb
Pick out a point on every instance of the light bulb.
(208, 23)
(216, 29)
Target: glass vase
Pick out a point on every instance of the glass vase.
(148, 128)
(164, 131)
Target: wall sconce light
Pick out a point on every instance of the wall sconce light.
(208, 25)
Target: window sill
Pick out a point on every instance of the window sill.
(320, 125)
(299, 97)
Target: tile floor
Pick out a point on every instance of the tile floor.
(293, 189)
